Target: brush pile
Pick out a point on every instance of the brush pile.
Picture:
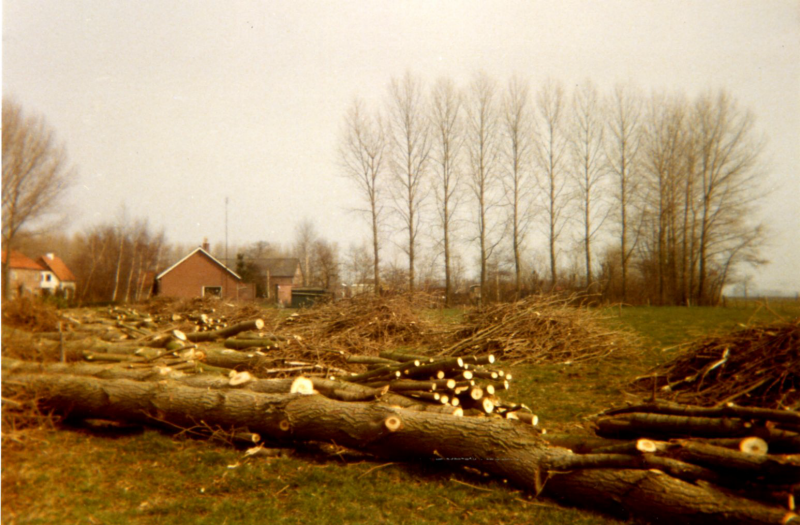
(757, 366)
(364, 324)
(30, 314)
(539, 329)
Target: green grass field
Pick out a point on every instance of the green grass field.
(71, 476)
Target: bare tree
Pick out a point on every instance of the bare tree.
(588, 168)
(104, 253)
(517, 125)
(326, 265)
(120, 231)
(305, 237)
(728, 175)
(551, 147)
(410, 154)
(362, 149)
(357, 264)
(447, 139)
(482, 143)
(666, 154)
(622, 147)
(35, 177)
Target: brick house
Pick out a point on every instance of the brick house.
(200, 274)
(282, 274)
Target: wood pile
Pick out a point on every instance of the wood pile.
(459, 386)
(324, 377)
(677, 481)
(752, 452)
(756, 366)
(538, 329)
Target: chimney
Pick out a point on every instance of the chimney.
(206, 246)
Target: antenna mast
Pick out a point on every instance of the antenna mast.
(226, 233)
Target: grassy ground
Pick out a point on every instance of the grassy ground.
(73, 476)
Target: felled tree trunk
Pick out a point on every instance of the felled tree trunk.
(504, 448)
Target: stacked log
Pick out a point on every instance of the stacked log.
(461, 382)
(754, 452)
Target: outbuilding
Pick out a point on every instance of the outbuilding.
(200, 274)
(283, 275)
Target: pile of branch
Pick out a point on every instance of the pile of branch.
(756, 366)
(538, 329)
(31, 314)
(362, 324)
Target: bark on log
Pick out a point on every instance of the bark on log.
(223, 333)
(501, 447)
(754, 413)
(240, 343)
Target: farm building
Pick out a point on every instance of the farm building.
(283, 275)
(200, 274)
(47, 275)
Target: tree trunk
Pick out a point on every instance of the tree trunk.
(505, 448)
(223, 333)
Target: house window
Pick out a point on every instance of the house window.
(212, 291)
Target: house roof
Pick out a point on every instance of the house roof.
(203, 252)
(21, 262)
(57, 266)
(281, 267)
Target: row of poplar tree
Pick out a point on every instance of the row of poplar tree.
(641, 197)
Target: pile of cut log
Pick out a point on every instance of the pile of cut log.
(461, 385)
(678, 481)
(754, 452)
(658, 460)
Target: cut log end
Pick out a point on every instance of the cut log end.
(393, 423)
(241, 378)
(754, 445)
(302, 385)
(646, 446)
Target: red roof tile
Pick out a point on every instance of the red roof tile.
(57, 266)
(21, 262)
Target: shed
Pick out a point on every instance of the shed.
(283, 275)
(305, 297)
(200, 274)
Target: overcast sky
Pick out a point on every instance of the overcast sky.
(170, 106)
